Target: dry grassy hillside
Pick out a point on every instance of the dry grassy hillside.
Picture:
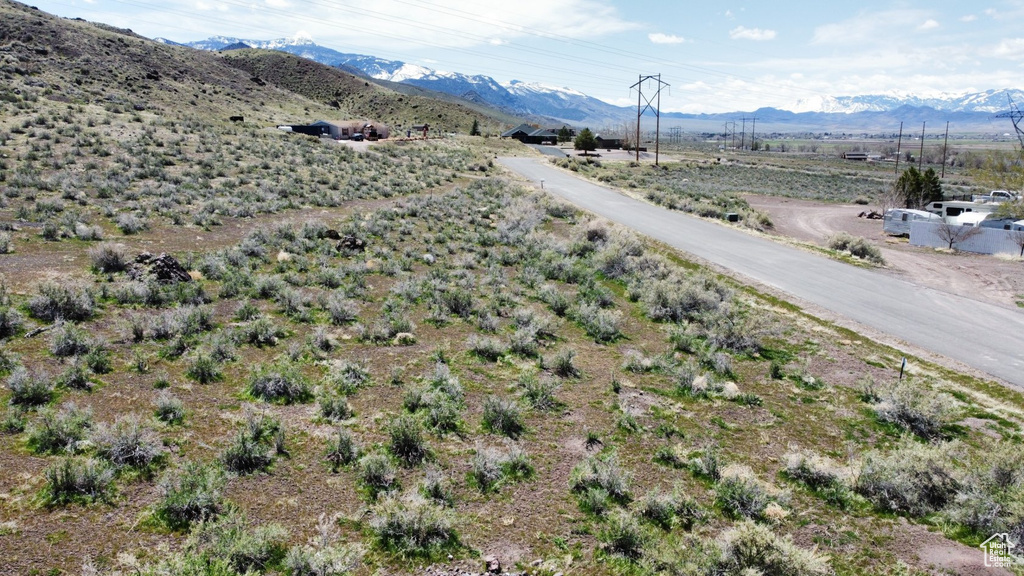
(81, 63)
(355, 96)
(399, 361)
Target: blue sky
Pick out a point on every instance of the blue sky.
(716, 56)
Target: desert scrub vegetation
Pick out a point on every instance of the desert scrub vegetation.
(412, 526)
(710, 188)
(856, 247)
(474, 299)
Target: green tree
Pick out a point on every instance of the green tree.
(931, 187)
(564, 134)
(909, 188)
(475, 130)
(585, 141)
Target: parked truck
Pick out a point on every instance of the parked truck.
(996, 196)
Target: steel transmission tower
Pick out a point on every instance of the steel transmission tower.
(1015, 116)
(643, 103)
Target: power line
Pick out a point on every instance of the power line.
(604, 82)
(647, 106)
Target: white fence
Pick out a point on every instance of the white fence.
(988, 241)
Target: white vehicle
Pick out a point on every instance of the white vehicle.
(953, 208)
(897, 220)
(972, 219)
(996, 196)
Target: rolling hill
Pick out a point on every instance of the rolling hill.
(84, 63)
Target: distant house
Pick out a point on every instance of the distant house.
(344, 130)
(856, 156)
(608, 143)
(532, 135)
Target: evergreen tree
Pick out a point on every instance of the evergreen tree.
(564, 135)
(931, 187)
(475, 130)
(585, 141)
(909, 187)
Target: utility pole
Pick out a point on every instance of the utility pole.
(944, 143)
(920, 159)
(752, 127)
(743, 135)
(640, 99)
(899, 145)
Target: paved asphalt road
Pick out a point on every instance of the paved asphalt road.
(981, 335)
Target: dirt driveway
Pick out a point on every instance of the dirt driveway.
(995, 279)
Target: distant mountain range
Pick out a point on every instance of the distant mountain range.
(868, 112)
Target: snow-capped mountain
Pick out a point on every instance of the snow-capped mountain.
(571, 106)
(989, 102)
(520, 98)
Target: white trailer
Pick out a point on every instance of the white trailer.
(897, 220)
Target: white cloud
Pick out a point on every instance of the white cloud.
(496, 42)
(208, 7)
(870, 28)
(744, 33)
(929, 24)
(968, 18)
(659, 38)
(1008, 48)
(386, 26)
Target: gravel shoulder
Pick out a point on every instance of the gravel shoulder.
(993, 279)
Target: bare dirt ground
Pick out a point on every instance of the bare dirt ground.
(987, 278)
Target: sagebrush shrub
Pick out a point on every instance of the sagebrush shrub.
(916, 407)
(707, 463)
(377, 474)
(406, 440)
(72, 301)
(261, 332)
(436, 488)
(601, 325)
(856, 246)
(13, 420)
(486, 347)
(109, 257)
(564, 364)
(601, 472)
(58, 431)
(341, 449)
(623, 535)
(68, 340)
(226, 544)
(192, 493)
(323, 556)
(10, 320)
(204, 368)
(334, 406)
(73, 479)
(280, 381)
(347, 377)
(169, 408)
(912, 478)
(502, 416)
(131, 224)
(742, 496)
(29, 389)
(753, 548)
(128, 443)
(539, 393)
(254, 446)
(412, 526)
